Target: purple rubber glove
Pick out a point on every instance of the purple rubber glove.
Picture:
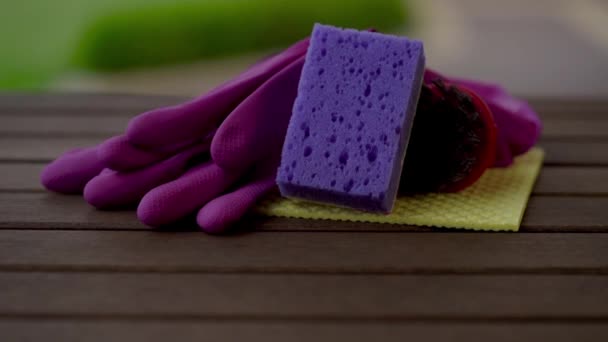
(174, 126)
(221, 195)
(82, 171)
(245, 155)
(519, 127)
(119, 189)
(71, 172)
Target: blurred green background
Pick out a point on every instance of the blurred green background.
(39, 37)
(185, 47)
(42, 39)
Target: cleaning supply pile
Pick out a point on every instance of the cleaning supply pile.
(346, 118)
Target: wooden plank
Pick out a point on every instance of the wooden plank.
(566, 214)
(552, 180)
(575, 153)
(15, 149)
(564, 128)
(21, 177)
(570, 108)
(91, 110)
(572, 181)
(74, 330)
(62, 125)
(301, 296)
(304, 252)
(81, 103)
(567, 108)
(548, 112)
(105, 125)
(45, 149)
(46, 210)
(52, 211)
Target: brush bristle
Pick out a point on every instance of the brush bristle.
(446, 138)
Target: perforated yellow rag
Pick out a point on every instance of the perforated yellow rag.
(497, 202)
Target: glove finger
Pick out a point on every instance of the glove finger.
(119, 154)
(220, 213)
(171, 125)
(112, 189)
(70, 172)
(259, 124)
(174, 200)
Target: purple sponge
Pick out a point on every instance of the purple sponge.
(351, 121)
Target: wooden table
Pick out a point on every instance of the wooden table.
(71, 273)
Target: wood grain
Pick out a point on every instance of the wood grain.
(575, 153)
(78, 330)
(47, 210)
(106, 125)
(590, 181)
(21, 177)
(83, 126)
(301, 296)
(304, 252)
(570, 108)
(568, 128)
(42, 150)
(566, 213)
(81, 103)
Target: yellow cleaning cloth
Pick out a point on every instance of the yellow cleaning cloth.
(497, 202)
